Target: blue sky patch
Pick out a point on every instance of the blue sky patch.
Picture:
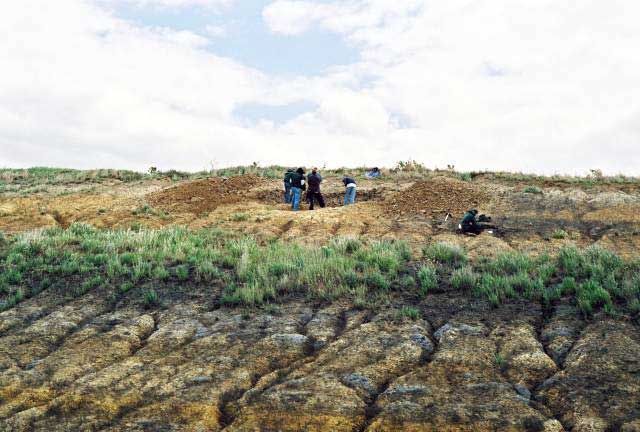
(248, 40)
(253, 113)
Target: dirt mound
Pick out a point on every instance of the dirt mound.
(202, 196)
(437, 197)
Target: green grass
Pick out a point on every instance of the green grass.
(559, 234)
(243, 270)
(445, 253)
(532, 190)
(81, 259)
(409, 312)
(427, 279)
(239, 217)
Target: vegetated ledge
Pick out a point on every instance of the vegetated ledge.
(146, 265)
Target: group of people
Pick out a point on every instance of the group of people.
(295, 183)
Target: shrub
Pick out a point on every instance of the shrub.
(445, 253)
(407, 282)
(590, 294)
(377, 281)
(427, 279)
(464, 278)
(568, 285)
(151, 298)
(239, 217)
(126, 287)
(570, 261)
(532, 190)
(559, 234)
(182, 272)
(409, 312)
(510, 263)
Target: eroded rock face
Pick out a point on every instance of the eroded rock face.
(522, 357)
(461, 389)
(599, 388)
(332, 391)
(561, 332)
(88, 366)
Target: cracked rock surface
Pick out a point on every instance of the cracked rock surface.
(85, 365)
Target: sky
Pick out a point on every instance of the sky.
(545, 86)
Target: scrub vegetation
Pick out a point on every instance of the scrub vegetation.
(247, 272)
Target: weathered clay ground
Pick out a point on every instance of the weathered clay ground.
(96, 363)
(89, 365)
(410, 209)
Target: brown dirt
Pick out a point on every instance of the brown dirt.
(437, 197)
(203, 196)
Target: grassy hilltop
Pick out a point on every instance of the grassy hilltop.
(199, 301)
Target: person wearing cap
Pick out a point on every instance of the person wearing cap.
(313, 193)
(297, 186)
(350, 190)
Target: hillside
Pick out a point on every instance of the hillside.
(199, 302)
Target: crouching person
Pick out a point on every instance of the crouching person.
(350, 190)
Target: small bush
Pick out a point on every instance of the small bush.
(559, 234)
(239, 217)
(407, 283)
(182, 272)
(532, 190)
(409, 312)
(445, 253)
(377, 281)
(427, 279)
(510, 263)
(151, 298)
(464, 278)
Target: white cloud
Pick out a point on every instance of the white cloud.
(216, 31)
(548, 86)
(214, 4)
(524, 85)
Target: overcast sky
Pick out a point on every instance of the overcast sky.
(550, 86)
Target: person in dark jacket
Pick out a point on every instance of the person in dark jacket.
(297, 186)
(469, 223)
(287, 185)
(313, 193)
(350, 190)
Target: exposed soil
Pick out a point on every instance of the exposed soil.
(394, 208)
(202, 196)
(437, 197)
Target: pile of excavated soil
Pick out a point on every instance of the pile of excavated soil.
(437, 197)
(202, 196)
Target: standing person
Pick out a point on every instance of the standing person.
(350, 190)
(314, 179)
(297, 186)
(287, 185)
